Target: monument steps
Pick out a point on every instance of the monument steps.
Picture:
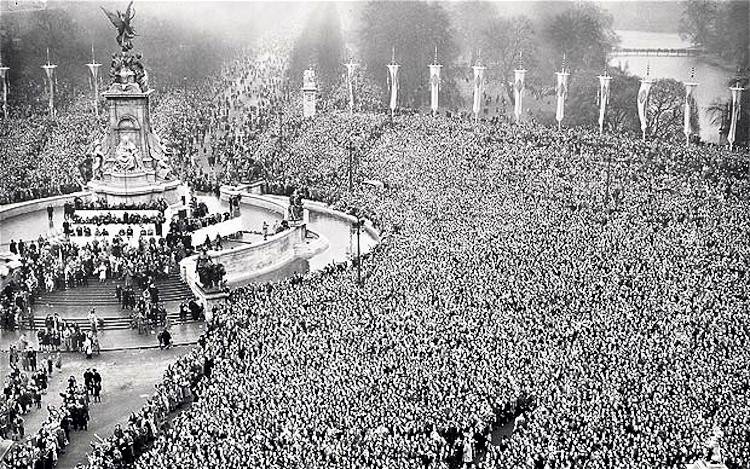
(170, 289)
(108, 296)
(110, 323)
(103, 311)
(73, 305)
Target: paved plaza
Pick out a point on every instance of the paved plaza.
(128, 379)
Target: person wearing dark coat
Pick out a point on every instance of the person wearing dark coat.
(96, 380)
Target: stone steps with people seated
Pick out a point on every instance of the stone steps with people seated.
(109, 322)
(77, 302)
(80, 295)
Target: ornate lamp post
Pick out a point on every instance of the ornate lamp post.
(357, 229)
(351, 155)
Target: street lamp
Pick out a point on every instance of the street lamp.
(357, 225)
(609, 162)
(351, 152)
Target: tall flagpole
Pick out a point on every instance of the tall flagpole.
(518, 88)
(435, 84)
(4, 82)
(643, 94)
(735, 116)
(49, 70)
(393, 73)
(479, 70)
(604, 82)
(689, 99)
(562, 93)
(350, 68)
(94, 70)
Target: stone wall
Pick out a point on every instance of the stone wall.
(244, 262)
(22, 208)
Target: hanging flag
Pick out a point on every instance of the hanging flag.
(49, 70)
(94, 81)
(643, 94)
(562, 93)
(93, 69)
(94, 73)
(689, 101)
(736, 105)
(518, 88)
(4, 82)
(350, 67)
(603, 98)
(393, 74)
(434, 86)
(478, 88)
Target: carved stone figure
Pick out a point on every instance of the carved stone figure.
(121, 21)
(127, 156)
(127, 73)
(308, 78)
(97, 159)
(160, 155)
(141, 75)
(296, 208)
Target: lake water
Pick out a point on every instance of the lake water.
(712, 78)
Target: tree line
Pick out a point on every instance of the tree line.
(577, 36)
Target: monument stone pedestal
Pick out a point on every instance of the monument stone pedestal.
(135, 195)
(132, 164)
(309, 93)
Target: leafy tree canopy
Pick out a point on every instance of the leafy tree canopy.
(321, 46)
(413, 29)
(720, 27)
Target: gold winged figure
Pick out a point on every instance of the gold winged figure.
(125, 31)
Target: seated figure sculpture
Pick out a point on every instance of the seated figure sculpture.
(127, 156)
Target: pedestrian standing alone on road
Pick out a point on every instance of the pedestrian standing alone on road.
(96, 383)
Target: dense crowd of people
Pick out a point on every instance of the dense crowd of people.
(125, 218)
(177, 389)
(589, 288)
(58, 265)
(41, 155)
(44, 447)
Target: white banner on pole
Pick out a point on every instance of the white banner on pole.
(350, 68)
(434, 87)
(689, 98)
(519, 86)
(562, 93)
(393, 73)
(604, 81)
(478, 88)
(736, 104)
(643, 94)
